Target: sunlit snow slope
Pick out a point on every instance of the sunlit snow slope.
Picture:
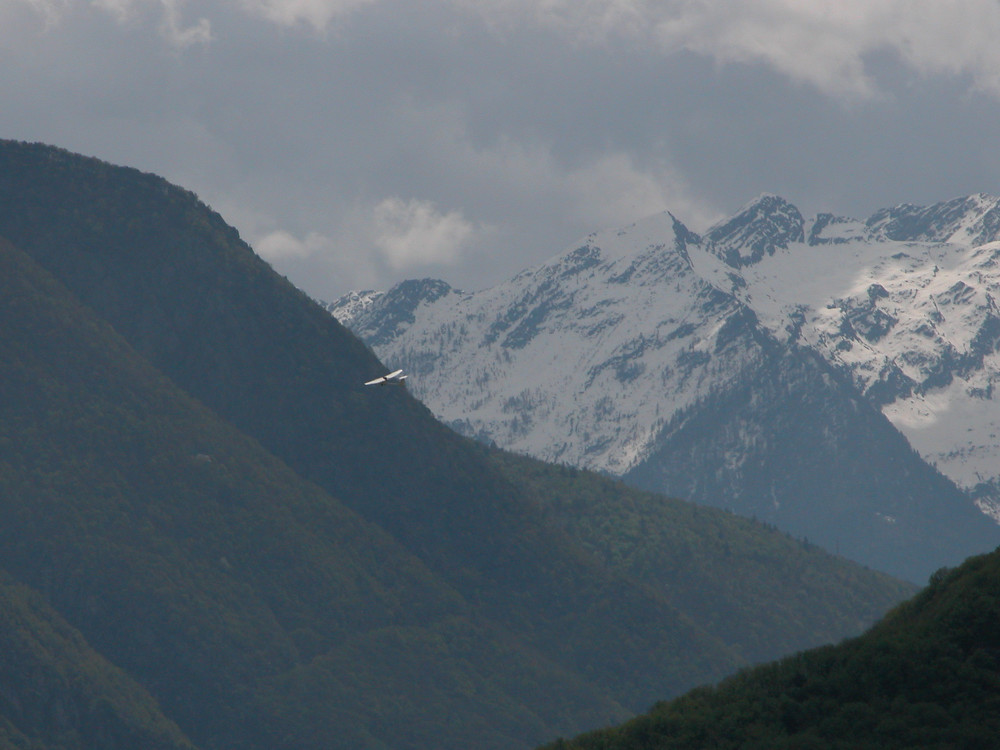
(907, 304)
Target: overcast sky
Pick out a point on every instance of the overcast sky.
(355, 143)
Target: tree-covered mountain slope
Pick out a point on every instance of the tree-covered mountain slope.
(247, 600)
(58, 693)
(176, 282)
(195, 479)
(926, 676)
(747, 583)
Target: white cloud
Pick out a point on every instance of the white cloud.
(121, 10)
(587, 20)
(365, 242)
(956, 38)
(824, 43)
(414, 232)
(612, 191)
(818, 42)
(598, 190)
(280, 246)
(49, 10)
(169, 12)
(323, 265)
(179, 35)
(574, 115)
(318, 14)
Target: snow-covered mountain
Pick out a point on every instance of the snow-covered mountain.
(906, 305)
(719, 367)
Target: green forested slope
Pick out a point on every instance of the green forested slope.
(247, 600)
(192, 475)
(56, 692)
(750, 585)
(204, 309)
(927, 676)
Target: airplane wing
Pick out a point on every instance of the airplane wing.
(395, 376)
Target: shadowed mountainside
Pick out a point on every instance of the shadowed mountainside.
(927, 675)
(195, 480)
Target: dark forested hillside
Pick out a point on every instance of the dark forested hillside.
(927, 676)
(750, 585)
(194, 479)
(248, 601)
(58, 692)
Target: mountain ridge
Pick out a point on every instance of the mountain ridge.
(584, 358)
(196, 480)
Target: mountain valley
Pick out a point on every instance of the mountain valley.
(214, 536)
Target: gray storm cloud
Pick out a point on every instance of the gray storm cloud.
(356, 142)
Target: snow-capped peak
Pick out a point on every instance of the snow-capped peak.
(765, 224)
(973, 220)
(347, 307)
(586, 357)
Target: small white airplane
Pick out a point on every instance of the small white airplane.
(393, 378)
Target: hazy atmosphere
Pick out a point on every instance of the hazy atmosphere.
(358, 142)
(744, 470)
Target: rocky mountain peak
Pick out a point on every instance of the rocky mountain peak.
(349, 306)
(828, 229)
(763, 225)
(648, 352)
(396, 308)
(972, 220)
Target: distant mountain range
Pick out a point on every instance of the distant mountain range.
(213, 536)
(779, 366)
